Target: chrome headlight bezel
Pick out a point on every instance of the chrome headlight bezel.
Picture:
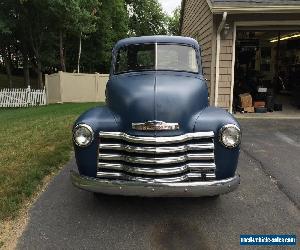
(89, 129)
(230, 126)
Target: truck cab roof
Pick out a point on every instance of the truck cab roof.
(158, 39)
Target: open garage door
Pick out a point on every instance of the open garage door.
(267, 72)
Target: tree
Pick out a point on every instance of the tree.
(75, 17)
(15, 35)
(62, 19)
(85, 22)
(146, 17)
(6, 37)
(111, 26)
(35, 17)
(174, 22)
(20, 32)
(47, 35)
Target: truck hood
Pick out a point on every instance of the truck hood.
(142, 97)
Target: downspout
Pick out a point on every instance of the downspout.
(220, 28)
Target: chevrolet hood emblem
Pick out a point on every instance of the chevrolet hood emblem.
(155, 126)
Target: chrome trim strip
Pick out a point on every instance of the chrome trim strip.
(157, 140)
(157, 160)
(201, 167)
(157, 150)
(109, 175)
(177, 189)
(156, 62)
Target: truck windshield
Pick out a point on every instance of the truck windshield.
(142, 57)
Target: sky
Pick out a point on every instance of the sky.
(169, 5)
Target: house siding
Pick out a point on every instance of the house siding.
(198, 23)
(225, 77)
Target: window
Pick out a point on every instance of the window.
(135, 58)
(176, 57)
(169, 57)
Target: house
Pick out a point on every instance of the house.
(246, 44)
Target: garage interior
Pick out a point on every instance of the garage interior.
(267, 72)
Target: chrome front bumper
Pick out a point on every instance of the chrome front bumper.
(132, 188)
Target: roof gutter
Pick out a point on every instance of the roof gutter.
(254, 9)
(220, 28)
(181, 16)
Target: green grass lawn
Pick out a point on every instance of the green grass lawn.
(34, 142)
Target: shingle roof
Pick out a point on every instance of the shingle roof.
(256, 2)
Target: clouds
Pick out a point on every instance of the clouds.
(169, 5)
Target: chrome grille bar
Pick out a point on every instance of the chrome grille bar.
(210, 176)
(157, 150)
(156, 160)
(159, 171)
(184, 158)
(113, 175)
(156, 140)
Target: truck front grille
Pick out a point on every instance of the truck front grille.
(184, 158)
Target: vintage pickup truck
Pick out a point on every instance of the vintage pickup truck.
(157, 135)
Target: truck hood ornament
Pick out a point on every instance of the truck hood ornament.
(155, 125)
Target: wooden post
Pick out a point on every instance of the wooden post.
(29, 96)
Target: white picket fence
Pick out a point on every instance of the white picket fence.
(22, 97)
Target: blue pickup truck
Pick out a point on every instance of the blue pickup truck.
(157, 134)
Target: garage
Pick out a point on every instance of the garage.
(267, 71)
(250, 53)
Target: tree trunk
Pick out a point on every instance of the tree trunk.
(38, 70)
(26, 67)
(40, 74)
(8, 72)
(36, 42)
(26, 71)
(61, 52)
(79, 54)
(7, 62)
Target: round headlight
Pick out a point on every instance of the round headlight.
(83, 135)
(230, 135)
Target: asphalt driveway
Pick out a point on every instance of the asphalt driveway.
(275, 144)
(267, 202)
